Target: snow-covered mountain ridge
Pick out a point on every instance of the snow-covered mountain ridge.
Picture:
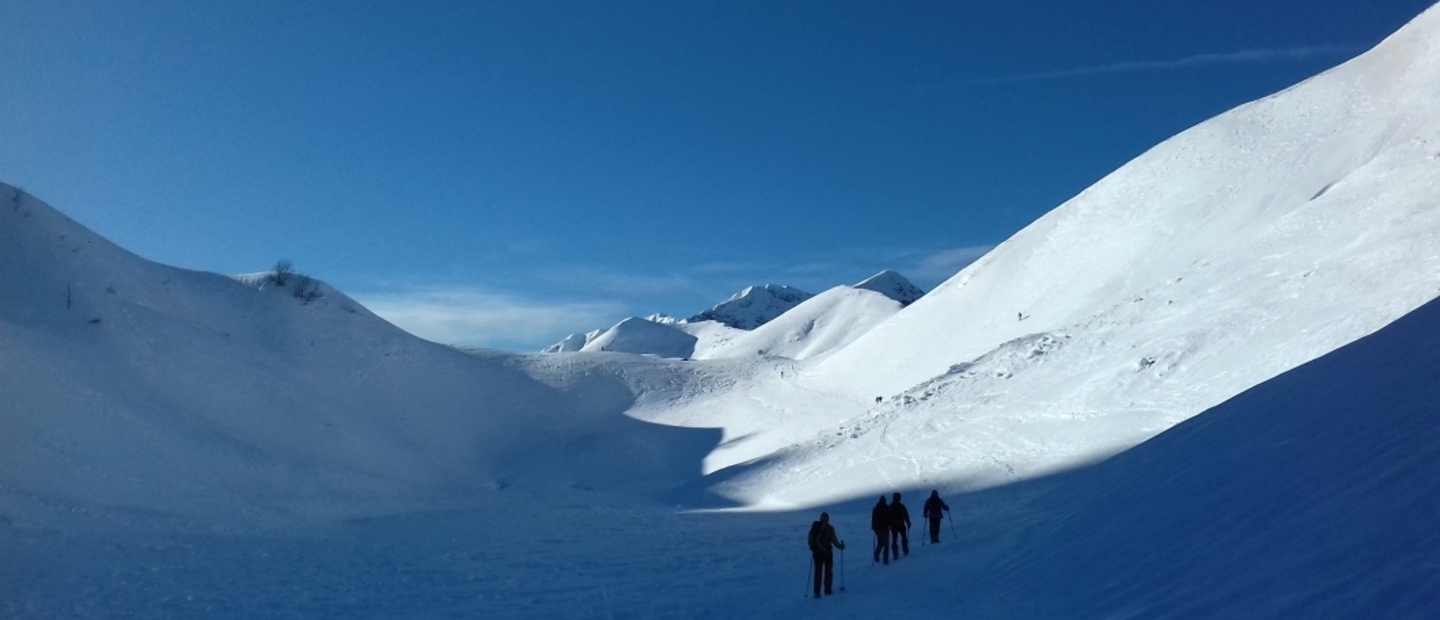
(754, 306)
(725, 330)
(893, 285)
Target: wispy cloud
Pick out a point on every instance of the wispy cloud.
(726, 268)
(598, 280)
(1198, 60)
(940, 266)
(470, 316)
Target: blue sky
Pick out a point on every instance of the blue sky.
(505, 173)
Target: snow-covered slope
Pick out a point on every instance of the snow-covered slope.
(709, 336)
(1266, 226)
(1241, 248)
(132, 387)
(754, 306)
(643, 336)
(1237, 250)
(893, 285)
(1309, 496)
(572, 343)
(818, 325)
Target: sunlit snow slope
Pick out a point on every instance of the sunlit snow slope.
(1292, 224)
(1243, 247)
(816, 326)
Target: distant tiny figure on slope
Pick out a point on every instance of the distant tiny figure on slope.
(935, 509)
(880, 524)
(822, 539)
(899, 527)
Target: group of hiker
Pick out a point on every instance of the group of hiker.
(891, 525)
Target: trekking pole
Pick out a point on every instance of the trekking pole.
(952, 523)
(809, 572)
(842, 569)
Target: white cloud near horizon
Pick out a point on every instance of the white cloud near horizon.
(1198, 60)
(469, 316)
(463, 314)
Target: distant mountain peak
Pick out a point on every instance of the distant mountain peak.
(893, 285)
(754, 306)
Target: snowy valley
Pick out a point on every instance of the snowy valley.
(1204, 387)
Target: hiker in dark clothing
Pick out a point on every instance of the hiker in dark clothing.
(880, 524)
(899, 527)
(822, 538)
(932, 512)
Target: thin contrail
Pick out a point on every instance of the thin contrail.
(1198, 60)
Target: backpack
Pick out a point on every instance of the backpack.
(814, 538)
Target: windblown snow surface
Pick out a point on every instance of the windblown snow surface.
(1203, 388)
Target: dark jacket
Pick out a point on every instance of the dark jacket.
(899, 517)
(822, 538)
(934, 506)
(880, 517)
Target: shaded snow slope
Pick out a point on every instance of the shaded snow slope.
(817, 325)
(893, 285)
(128, 386)
(754, 306)
(1311, 495)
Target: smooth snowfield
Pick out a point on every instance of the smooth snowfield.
(1183, 394)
